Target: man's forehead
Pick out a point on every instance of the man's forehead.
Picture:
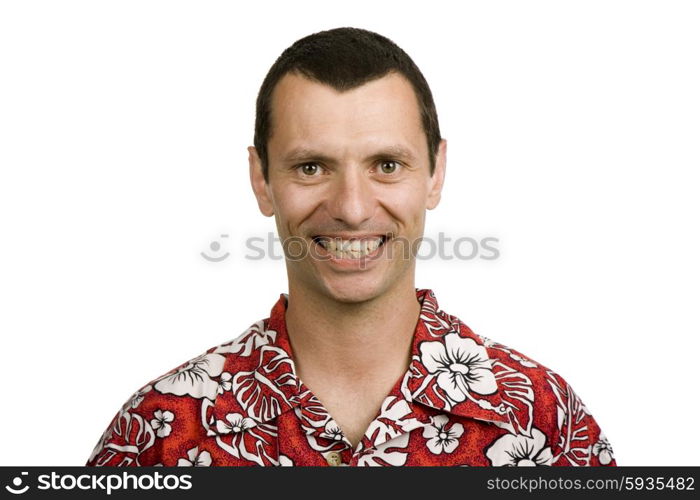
(305, 109)
(298, 93)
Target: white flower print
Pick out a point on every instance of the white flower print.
(161, 422)
(603, 450)
(285, 461)
(136, 399)
(224, 383)
(332, 431)
(235, 423)
(442, 439)
(461, 365)
(195, 378)
(195, 458)
(518, 450)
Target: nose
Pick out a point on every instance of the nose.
(351, 199)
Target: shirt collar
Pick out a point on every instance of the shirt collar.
(452, 370)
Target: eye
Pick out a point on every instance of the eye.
(389, 166)
(309, 169)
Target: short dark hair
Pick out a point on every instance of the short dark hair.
(344, 58)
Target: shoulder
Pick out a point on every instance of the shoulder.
(171, 406)
(542, 420)
(206, 375)
(507, 359)
(548, 407)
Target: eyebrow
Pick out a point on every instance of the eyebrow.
(393, 151)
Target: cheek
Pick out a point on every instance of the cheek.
(294, 205)
(406, 205)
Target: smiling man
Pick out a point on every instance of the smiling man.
(354, 366)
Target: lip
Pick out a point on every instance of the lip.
(348, 236)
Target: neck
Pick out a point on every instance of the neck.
(351, 342)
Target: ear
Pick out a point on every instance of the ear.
(260, 187)
(438, 178)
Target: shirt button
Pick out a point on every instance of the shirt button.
(334, 459)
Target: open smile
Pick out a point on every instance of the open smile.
(351, 248)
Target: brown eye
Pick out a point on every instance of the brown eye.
(309, 168)
(388, 167)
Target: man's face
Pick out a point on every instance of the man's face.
(348, 169)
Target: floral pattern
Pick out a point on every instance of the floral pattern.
(138, 396)
(463, 401)
(224, 383)
(519, 450)
(194, 378)
(234, 422)
(603, 451)
(461, 365)
(195, 458)
(161, 422)
(332, 431)
(442, 438)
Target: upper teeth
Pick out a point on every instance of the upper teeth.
(349, 248)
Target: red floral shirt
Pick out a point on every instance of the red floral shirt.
(465, 400)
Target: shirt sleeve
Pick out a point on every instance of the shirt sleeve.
(579, 440)
(131, 432)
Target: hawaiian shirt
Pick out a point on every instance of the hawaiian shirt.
(464, 400)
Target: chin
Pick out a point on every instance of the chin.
(352, 293)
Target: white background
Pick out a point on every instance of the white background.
(572, 133)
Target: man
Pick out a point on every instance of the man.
(354, 366)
